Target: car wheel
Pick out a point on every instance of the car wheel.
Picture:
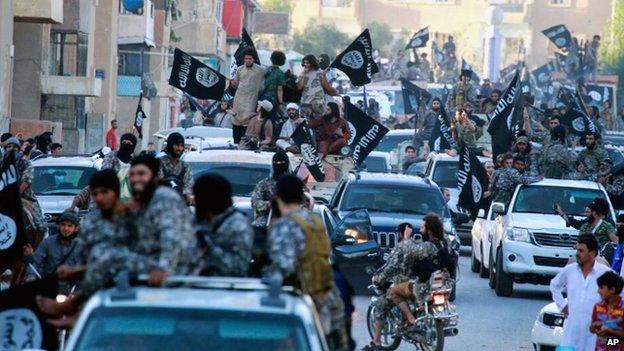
(504, 283)
(491, 272)
(474, 264)
(483, 272)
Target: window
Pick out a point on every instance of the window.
(393, 198)
(53, 180)
(560, 3)
(130, 64)
(336, 3)
(68, 53)
(530, 199)
(243, 177)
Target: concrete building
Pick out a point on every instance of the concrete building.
(465, 20)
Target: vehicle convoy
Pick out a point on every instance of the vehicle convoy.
(199, 313)
(435, 317)
(527, 242)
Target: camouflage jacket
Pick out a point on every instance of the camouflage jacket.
(180, 170)
(460, 95)
(228, 240)
(399, 266)
(465, 135)
(261, 200)
(285, 242)
(505, 182)
(601, 232)
(111, 161)
(532, 162)
(592, 158)
(556, 161)
(615, 187)
(163, 230)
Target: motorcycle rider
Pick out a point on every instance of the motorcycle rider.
(400, 268)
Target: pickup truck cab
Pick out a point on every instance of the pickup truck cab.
(527, 242)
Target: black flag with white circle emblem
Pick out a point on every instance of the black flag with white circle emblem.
(559, 35)
(195, 78)
(419, 39)
(238, 59)
(543, 73)
(576, 118)
(441, 136)
(22, 325)
(356, 61)
(503, 120)
(12, 229)
(139, 116)
(413, 96)
(472, 181)
(366, 133)
(302, 136)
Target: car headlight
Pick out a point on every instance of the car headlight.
(553, 320)
(518, 234)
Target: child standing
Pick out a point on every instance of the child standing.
(608, 315)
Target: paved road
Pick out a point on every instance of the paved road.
(487, 322)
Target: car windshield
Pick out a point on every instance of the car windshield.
(531, 199)
(376, 164)
(445, 174)
(242, 176)
(61, 180)
(190, 329)
(391, 142)
(393, 198)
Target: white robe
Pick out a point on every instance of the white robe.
(582, 295)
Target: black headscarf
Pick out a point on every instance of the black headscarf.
(558, 134)
(173, 139)
(280, 164)
(43, 142)
(148, 160)
(126, 151)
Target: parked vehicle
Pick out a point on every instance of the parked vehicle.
(548, 328)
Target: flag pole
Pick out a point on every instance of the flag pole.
(365, 98)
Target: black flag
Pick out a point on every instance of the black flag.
(139, 116)
(195, 78)
(366, 133)
(507, 73)
(419, 39)
(238, 59)
(356, 61)
(12, 230)
(559, 35)
(413, 96)
(441, 136)
(302, 136)
(23, 326)
(543, 73)
(600, 94)
(576, 118)
(502, 122)
(473, 76)
(472, 181)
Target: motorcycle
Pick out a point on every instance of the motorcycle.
(436, 317)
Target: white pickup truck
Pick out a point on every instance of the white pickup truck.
(527, 242)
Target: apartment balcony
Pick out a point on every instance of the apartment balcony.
(137, 28)
(71, 85)
(38, 11)
(202, 38)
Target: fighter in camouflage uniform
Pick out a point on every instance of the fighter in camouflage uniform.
(599, 227)
(531, 157)
(299, 249)
(119, 161)
(555, 159)
(224, 234)
(506, 181)
(462, 92)
(593, 153)
(264, 190)
(579, 173)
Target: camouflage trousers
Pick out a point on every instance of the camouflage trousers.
(330, 309)
(382, 305)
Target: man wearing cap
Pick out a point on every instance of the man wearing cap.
(593, 153)
(285, 141)
(55, 250)
(259, 133)
(522, 147)
(172, 168)
(265, 189)
(119, 161)
(462, 92)
(602, 230)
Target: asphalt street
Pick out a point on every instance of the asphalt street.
(487, 322)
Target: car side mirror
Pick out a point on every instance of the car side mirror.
(481, 213)
(342, 239)
(498, 208)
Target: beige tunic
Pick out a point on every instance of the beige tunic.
(250, 82)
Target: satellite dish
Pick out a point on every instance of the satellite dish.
(132, 5)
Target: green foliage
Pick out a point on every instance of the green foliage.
(612, 44)
(276, 5)
(381, 36)
(319, 39)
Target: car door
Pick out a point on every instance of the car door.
(355, 252)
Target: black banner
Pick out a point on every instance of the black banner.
(507, 73)
(238, 59)
(441, 136)
(561, 60)
(474, 77)
(413, 96)
(356, 61)
(599, 94)
(195, 78)
(12, 229)
(502, 123)
(139, 116)
(366, 133)
(22, 325)
(419, 39)
(576, 118)
(472, 181)
(543, 73)
(302, 136)
(559, 35)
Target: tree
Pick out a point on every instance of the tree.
(276, 5)
(381, 36)
(319, 39)
(612, 48)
